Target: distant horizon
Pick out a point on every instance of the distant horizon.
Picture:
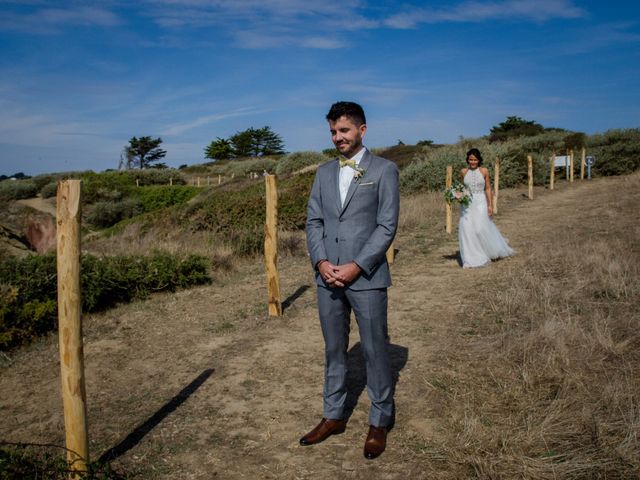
(207, 160)
(79, 80)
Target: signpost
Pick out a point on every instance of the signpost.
(589, 160)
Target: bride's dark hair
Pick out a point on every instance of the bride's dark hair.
(476, 153)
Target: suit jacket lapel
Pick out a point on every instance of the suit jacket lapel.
(335, 173)
(364, 164)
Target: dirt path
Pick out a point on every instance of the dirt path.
(200, 384)
(41, 204)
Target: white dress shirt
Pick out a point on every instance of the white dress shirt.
(346, 175)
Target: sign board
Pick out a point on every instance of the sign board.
(590, 160)
(561, 161)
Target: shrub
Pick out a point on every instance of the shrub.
(297, 161)
(32, 461)
(107, 214)
(42, 180)
(245, 167)
(617, 152)
(49, 190)
(107, 186)
(157, 176)
(239, 215)
(161, 196)
(28, 293)
(17, 189)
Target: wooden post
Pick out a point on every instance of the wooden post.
(390, 254)
(567, 166)
(271, 246)
(208, 180)
(170, 180)
(530, 174)
(137, 182)
(448, 207)
(70, 325)
(198, 181)
(219, 179)
(496, 185)
(552, 173)
(583, 161)
(571, 166)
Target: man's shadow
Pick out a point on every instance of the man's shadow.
(357, 372)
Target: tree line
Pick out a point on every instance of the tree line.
(145, 152)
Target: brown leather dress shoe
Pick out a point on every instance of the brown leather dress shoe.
(376, 442)
(323, 430)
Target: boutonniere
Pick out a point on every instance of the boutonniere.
(359, 172)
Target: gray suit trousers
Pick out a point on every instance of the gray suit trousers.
(370, 308)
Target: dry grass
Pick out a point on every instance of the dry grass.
(553, 390)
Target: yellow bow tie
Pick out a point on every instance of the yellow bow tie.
(345, 162)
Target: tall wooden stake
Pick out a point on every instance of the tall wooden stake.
(583, 161)
(496, 185)
(552, 173)
(390, 254)
(448, 207)
(271, 246)
(530, 174)
(70, 325)
(571, 166)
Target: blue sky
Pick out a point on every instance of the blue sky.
(79, 79)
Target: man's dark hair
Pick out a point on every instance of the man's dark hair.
(348, 109)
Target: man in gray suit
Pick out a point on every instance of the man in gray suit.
(352, 217)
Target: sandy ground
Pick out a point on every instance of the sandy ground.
(202, 384)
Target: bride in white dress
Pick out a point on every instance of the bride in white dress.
(480, 239)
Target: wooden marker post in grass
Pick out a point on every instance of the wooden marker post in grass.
(552, 173)
(271, 246)
(219, 179)
(530, 174)
(390, 254)
(496, 185)
(448, 207)
(583, 161)
(70, 325)
(571, 166)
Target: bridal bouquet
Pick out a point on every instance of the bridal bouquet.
(457, 193)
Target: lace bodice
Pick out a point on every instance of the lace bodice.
(474, 181)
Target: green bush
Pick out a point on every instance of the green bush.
(45, 179)
(617, 152)
(107, 214)
(17, 189)
(161, 196)
(28, 287)
(107, 186)
(225, 211)
(157, 176)
(46, 462)
(297, 161)
(242, 168)
(49, 190)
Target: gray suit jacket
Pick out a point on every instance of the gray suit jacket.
(362, 230)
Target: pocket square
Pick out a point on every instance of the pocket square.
(366, 183)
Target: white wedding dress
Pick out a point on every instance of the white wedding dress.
(480, 239)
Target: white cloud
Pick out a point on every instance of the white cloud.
(180, 128)
(475, 11)
(54, 20)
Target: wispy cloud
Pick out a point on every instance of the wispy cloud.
(55, 20)
(180, 128)
(474, 11)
